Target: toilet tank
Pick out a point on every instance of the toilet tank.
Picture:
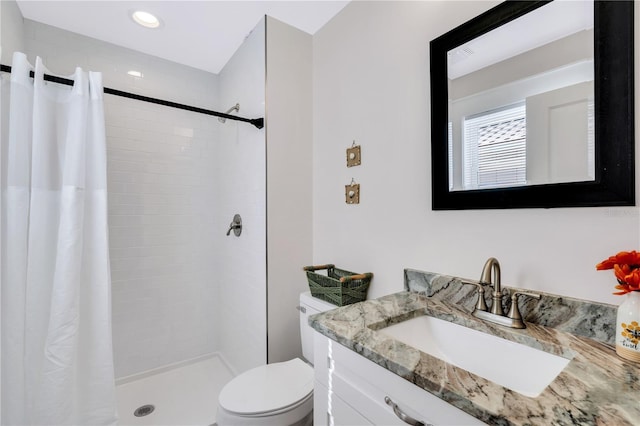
(310, 305)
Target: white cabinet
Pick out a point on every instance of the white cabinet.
(351, 390)
(342, 413)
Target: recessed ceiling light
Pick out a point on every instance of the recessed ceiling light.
(135, 73)
(145, 19)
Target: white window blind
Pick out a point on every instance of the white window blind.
(494, 148)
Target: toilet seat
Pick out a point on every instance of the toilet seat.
(268, 389)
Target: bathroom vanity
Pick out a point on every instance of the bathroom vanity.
(369, 368)
(360, 392)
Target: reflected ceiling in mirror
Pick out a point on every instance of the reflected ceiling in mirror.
(521, 104)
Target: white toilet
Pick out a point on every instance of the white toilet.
(275, 394)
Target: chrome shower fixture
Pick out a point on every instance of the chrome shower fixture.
(235, 108)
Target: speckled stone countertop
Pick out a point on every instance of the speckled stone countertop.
(595, 388)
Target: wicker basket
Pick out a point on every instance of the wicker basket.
(339, 287)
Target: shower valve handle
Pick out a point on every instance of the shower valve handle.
(236, 226)
(232, 227)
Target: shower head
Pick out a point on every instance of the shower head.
(235, 108)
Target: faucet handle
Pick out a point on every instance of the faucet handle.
(514, 312)
(481, 305)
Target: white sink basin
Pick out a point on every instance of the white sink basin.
(520, 368)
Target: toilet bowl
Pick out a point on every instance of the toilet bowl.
(275, 394)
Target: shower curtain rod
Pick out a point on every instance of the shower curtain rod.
(258, 122)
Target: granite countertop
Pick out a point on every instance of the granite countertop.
(595, 388)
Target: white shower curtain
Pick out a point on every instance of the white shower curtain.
(57, 358)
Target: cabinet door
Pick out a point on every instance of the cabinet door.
(321, 358)
(320, 405)
(363, 385)
(333, 410)
(366, 400)
(345, 415)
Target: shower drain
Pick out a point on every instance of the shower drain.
(145, 410)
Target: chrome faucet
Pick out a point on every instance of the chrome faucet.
(513, 319)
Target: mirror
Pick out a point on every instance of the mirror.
(542, 120)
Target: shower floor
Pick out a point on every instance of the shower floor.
(185, 395)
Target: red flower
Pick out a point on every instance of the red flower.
(626, 267)
(628, 279)
(622, 258)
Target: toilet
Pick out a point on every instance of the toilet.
(275, 394)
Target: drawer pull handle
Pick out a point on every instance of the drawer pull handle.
(401, 415)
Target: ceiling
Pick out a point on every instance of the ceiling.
(200, 34)
(552, 22)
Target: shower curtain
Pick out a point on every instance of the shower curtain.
(56, 352)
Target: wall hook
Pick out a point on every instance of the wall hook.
(353, 155)
(352, 192)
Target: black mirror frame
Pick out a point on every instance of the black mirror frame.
(614, 183)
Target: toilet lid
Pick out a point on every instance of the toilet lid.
(268, 388)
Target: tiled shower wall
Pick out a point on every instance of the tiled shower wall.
(161, 199)
(240, 165)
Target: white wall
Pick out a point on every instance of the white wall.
(160, 198)
(11, 30)
(289, 182)
(11, 38)
(239, 176)
(371, 84)
(1, 171)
